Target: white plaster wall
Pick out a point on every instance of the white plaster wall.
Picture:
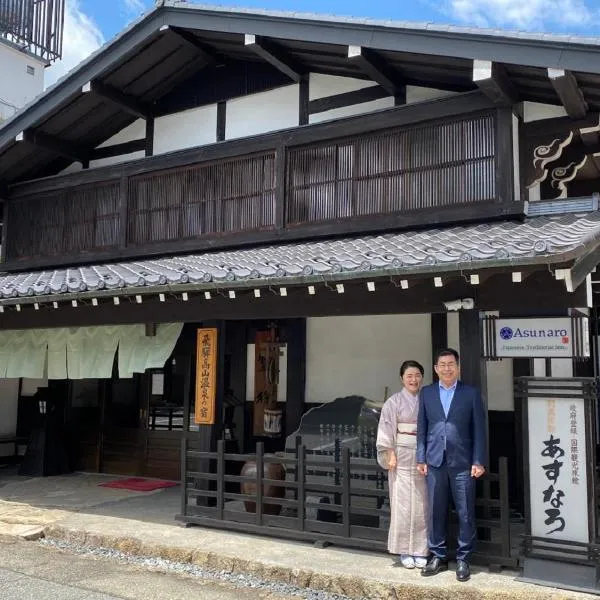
(535, 111)
(516, 166)
(322, 86)
(349, 111)
(186, 129)
(135, 131)
(362, 355)
(30, 386)
(259, 113)
(17, 86)
(416, 93)
(500, 385)
(453, 332)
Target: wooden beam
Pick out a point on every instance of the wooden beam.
(366, 94)
(595, 161)
(118, 149)
(303, 102)
(274, 56)
(221, 121)
(209, 55)
(583, 266)
(128, 103)
(590, 136)
(149, 145)
(492, 80)
(566, 87)
(372, 65)
(55, 145)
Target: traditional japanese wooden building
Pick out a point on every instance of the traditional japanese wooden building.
(333, 196)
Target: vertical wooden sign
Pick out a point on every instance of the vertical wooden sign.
(206, 376)
(266, 376)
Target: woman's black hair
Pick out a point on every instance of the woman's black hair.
(407, 364)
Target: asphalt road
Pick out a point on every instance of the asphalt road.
(29, 570)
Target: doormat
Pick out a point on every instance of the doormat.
(139, 484)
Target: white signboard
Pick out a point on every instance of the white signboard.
(551, 337)
(558, 492)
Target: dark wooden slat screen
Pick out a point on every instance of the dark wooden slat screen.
(68, 222)
(425, 166)
(278, 191)
(236, 195)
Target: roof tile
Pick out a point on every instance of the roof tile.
(545, 239)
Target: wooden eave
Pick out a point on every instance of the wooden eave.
(174, 41)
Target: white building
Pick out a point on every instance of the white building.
(21, 78)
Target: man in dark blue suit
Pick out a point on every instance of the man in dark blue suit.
(451, 448)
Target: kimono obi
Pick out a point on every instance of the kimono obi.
(406, 434)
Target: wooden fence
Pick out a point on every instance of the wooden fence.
(339, 499)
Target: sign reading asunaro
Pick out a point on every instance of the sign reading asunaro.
(558, 489)
(552, 337)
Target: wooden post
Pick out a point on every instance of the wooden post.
(301, 470)
(260, 465)
(439, 337)
(472, 367)
(220, 478)
(346, 491)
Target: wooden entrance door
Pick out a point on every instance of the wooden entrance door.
(124, 434)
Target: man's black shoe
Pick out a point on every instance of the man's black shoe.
(463, 573)
(434, 566)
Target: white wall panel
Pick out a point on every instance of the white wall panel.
(322, 86)
(135, 131)
(500, 384)
(534, 111)
(421, 94)
(355, 109)
(362, 355)
(186, 129)
(259, 113)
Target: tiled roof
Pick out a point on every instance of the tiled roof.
(391, 23)
(544, 239)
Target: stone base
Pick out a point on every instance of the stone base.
(566, 576)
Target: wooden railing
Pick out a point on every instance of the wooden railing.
(339, 499)
(367, 173)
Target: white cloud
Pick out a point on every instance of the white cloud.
(81, 37)
(134, 6)
(524, 14)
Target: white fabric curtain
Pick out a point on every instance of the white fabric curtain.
(85, 352)
(91, 352)
(28, 355)
(57, 353)
(138, 352)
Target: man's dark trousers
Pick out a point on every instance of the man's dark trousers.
(450, 444)
(442, 482)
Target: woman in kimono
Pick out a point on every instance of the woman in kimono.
(396, 452)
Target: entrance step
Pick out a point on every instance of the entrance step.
(22, 530)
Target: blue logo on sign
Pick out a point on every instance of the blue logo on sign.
(506, 333)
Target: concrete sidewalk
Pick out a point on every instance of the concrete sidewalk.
(74, 508)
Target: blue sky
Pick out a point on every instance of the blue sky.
(91, 23)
